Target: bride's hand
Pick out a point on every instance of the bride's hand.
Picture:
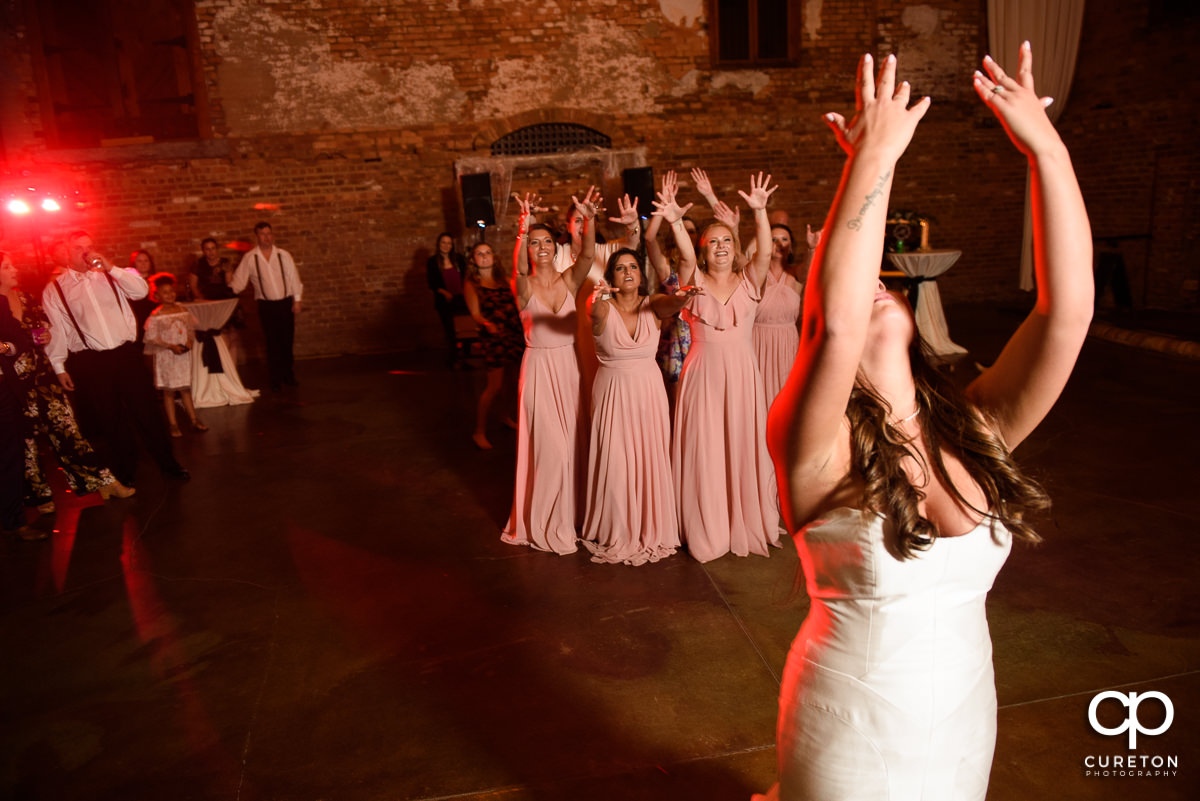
(1016, 104)
(883, 123)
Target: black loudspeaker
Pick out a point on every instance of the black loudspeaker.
(477, 200)
(639, 185)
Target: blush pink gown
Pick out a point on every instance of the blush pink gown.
(724, 480)
(631, 502)
(776, 338)
(550, 453)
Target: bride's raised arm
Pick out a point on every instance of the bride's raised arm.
(807, 417)
(1030, 373)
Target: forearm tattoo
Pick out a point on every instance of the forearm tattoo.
(856, 223)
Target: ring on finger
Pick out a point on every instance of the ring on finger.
(997, 89)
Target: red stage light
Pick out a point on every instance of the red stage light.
(18, 206)
(50, 204)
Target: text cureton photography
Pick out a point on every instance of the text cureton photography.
(1130, 764)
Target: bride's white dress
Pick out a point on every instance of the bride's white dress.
(888, 693)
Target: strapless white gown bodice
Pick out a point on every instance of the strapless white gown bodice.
(888, 691)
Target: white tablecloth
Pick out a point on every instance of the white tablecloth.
(216, 389)
(931, 320)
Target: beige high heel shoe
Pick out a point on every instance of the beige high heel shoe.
(116, 489)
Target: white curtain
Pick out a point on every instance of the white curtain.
(1052, 28)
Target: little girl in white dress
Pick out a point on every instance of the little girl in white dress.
(169, 339)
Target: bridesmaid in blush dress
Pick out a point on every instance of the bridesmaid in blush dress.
(724, 482)
(631, 504)
(776, 336)
(547, 498)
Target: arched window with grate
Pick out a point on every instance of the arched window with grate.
(550, 137)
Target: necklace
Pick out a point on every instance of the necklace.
(906, 419)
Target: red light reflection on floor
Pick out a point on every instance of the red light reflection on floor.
(384, 604)
(62, 542)
(169, 660)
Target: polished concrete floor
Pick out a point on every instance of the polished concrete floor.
(326, 612)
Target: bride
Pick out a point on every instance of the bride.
(900, 490)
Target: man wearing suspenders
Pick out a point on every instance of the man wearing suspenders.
(94, 350)
(277, 289)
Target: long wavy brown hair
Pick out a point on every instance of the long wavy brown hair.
(949, 422)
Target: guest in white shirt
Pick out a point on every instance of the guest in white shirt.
(277, 288)
(95, 354)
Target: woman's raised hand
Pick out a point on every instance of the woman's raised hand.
(1016, 104)
(813, 237)
(530, 204)
(626, 211)
(668, 209)
(884, 123)
(759, 193)
(670, 185)
(590, 205)
(527, 207)
(703, 185)
(730, 218)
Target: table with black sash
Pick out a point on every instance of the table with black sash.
(215, 380)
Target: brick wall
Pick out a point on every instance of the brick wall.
(342, 121)
(1132, 128)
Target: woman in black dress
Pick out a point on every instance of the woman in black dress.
(446, 273)
(489, 297)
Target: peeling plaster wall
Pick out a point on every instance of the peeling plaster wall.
(684, 13)
(278, 76)
(597, 67)
(933, 48)
(278, 71)
(812, 18)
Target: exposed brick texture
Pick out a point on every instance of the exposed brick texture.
(342, 121)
